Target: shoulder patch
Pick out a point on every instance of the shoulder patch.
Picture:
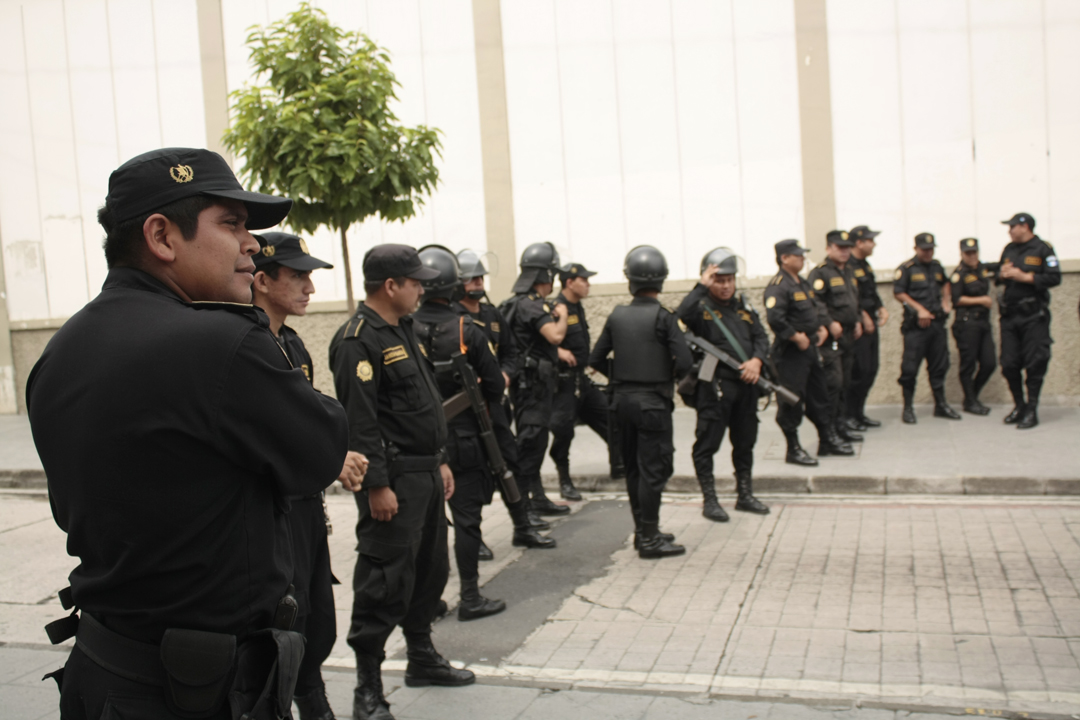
(770, 302)
(353, 328)
(819, 284)
(364, 371)
(1051, 261)
(955, 278)
(423, 350)
(859, 272)
(899, 274)
(547, 308)
(394, 354)
(492, 348)
(746, 316)
(477, 322)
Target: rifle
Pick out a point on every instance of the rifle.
(470, 397)
(708, 348)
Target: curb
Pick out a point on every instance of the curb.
(22, 479)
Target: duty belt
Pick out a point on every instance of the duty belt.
(130, 659)
(415, 464)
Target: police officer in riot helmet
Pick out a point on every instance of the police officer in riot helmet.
(649, 353)
(538, 328)
(443, 333)
(727, 400)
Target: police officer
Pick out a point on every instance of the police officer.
(538, 329)
(173, 431)
(924, 290)
(395, 420)
(799, 324)
(1029, 268)
(650, 352)
(576, 396)
(282, 287)
(728, 400)
(834, 285)
(489, 319)
(443, 333)
(970, 284)
(866, 351)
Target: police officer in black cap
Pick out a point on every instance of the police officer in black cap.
(283, 287)
(489, 319)
(443, 333)
(576, 396)
(924, 290)
(395, 419)
(726, 402)
(538, 329)
(174, 432)
(799, 323)
(834, 285)
(1029, 268)
(866, 350)
(971, 299)
(650, 352)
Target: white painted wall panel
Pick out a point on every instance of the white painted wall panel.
(179, 74)
(1061, 25)
(134, 61)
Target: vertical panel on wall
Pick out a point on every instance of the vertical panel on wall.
(54, 155)
(96, 149)
(134, 53)
(708, 129)
(534, 119)
(768, 105)
(1062, 38)
(20, 222)
(867, 143)
(237, 18)
(179, 74)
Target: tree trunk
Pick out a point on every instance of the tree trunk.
(349, 302)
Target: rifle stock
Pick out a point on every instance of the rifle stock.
(764, 383)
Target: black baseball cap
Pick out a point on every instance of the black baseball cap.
(288, 250)
(925, 240)
(1020, 219)
(862, 232)
(154, 179)
(839, 238)
(573, 270)
(391, 261)
(789, 247)
(969, 245)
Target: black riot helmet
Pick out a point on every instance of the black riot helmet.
(472, 266)
(539, 264)
(447, 284)
(645, 268)
(725, 259)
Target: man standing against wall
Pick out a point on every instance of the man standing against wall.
(971, 327)
(866, 352)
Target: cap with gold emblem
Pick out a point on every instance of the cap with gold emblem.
(788, 247)
(288, 250)
(393, 261)
(969, 245)
(1020, 219)
(925, 240)
(574, 270)
(862, 232)
(839, 238)
(152, 180)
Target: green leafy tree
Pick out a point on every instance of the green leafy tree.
(320, 130)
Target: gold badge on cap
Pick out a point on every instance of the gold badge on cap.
(364, 371)
(269, 250)
(303, 247)
(970, 242)
(843, 235)
(182, 173)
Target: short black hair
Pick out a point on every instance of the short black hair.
(123, 241)
(373, 286)
(271, 269)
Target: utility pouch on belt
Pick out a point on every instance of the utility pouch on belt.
(199, 670)
(268, 664)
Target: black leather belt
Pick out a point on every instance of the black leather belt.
(415, 464)
(130, 659)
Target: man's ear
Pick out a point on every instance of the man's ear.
(160, 236)
(390, 286)
(261, 282)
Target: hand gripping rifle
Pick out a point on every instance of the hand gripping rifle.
(470, 397)
(717, 354)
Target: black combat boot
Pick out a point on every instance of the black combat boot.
(485, 553)
(1030, 418)
(711, 508)
(637, 531)
(869, 422)
(474, 605)
(853, 424)
(747, 502)
(1017, 412)
(525, 535)
(1016, 387)
(942, 407)
(909, 409)
(829, 443)
(795, 453)
(652, 544)
(427, 667)
(368, 700)
(846, 434)
(314, 705)
(541, 505)
(566, 485)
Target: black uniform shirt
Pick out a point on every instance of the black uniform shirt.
(970, 282)
(668, 334)
(741, 321)
(294, 349)
(171, 434)
(869, 300)
(791, 307)
(1034, 256)
(532, 313)
(577, 338)
(838, 289)
(923, 282)
(491, 322)
(388, 391)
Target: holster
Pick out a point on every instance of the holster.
(266, 671)
(199, 669)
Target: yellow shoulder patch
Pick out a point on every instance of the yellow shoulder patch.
(770, 302)
(819, 284)
(746, 316)
(899, 274)
(547, 308)
(394, 354)
(423, 350)
(364, 371)
(955, 278)
(859, 272)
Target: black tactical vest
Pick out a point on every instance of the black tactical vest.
(441, 341)
(639, 355)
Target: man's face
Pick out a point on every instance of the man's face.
(838, 254)
(866, 247)
(542, 289)
(723, 288)
(924, 254)
(216, 264)
(1020, 233)
(793, 263)
(288, 294)
(971, 258)
(579, 285)
(475, 284)
(406, 297)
